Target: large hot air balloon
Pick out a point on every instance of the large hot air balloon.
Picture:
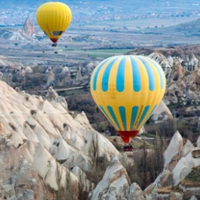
(54, 18)
(127, 89)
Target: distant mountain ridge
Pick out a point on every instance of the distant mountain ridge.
(164, 4)
(190, 28)
(88, 10)
(187, 29)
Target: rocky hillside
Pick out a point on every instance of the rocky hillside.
(178, 180)
(16, 35)
(49, 152)
(46, 151)
(26, 34)
(186, 29)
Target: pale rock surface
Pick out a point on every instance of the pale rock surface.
(161, 113)
(164, 179)
(163, 61)
(90, 65)
(173, 152)
(142, 130)
(28, 70)
(150, 192)
(135, 192)
(185, 165)
(19, 176)
(175, 196)
(83, 181)
(51, 94)
(46, 142)
(187, 148)
(198, 142)
(193, 198)
(29, 28)
(65, 70)
(194, 62)
(178, 72)
(60, 103)
(50, 78)
(114, 185)
(1, 76)
(46, 165)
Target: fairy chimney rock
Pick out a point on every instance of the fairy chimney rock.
(29, 28)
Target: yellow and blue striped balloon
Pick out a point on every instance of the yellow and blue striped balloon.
(127, 89)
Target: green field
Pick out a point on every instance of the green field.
(104, 53)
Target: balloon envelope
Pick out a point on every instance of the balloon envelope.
(54, 18)
(127, 89)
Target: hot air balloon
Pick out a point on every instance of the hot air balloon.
(127, 89)
(54, 18)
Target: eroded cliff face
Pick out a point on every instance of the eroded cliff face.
(46, 151)
(178, 180)
(182, 162)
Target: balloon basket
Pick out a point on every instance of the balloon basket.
(128, 147)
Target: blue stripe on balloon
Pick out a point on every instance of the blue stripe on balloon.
(113, 116)
(136, 75)
(150, 113)
(159, 72)
(104, 112)
(120, 75)
(106, 75)
(97, 73)
(122, 112)
(150, 74)
(152, 110)
(133, 116)
(143, 115)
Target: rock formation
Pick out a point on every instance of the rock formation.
(161, 113)
(178, 71)
(166, 63)
(45, 152)
(173, 152)
(181, 167)
(28, 70)
(182, 161)
(65, 71)
(29, 28)
(78, 74)
(50, 78)
(114, 185)
(1, 76)
(51, 94)
(135, 192)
